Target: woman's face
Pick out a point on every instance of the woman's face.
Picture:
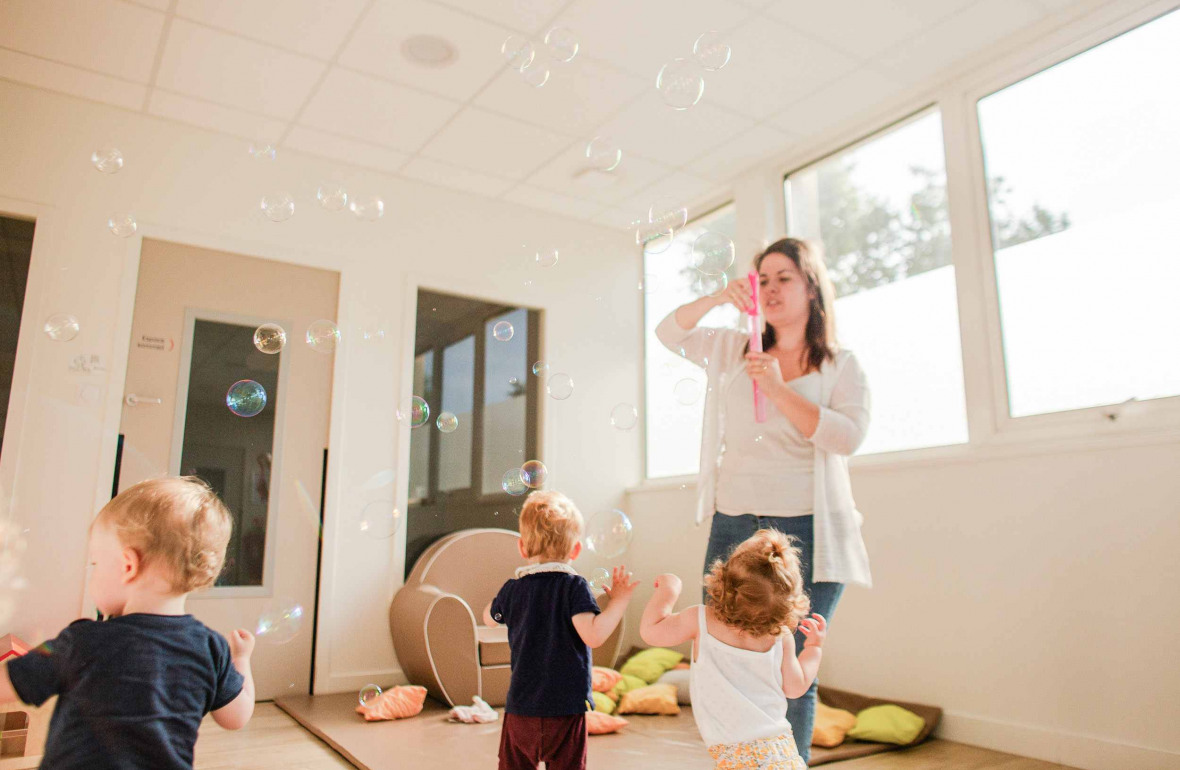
(783, 291)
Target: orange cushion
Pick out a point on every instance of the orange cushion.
(394, 703)
(598, 723)
(831, 725)
(605, 679)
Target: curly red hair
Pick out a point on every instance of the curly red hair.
(759, 589)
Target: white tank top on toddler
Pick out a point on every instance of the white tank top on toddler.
(737, 695)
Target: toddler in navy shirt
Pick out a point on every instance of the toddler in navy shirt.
(553, 621)
(132, 690)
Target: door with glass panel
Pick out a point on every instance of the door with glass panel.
(203, 398)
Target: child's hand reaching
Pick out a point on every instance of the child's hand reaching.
(241, 644)
(621, 585)
(815, 628)
(669, 583)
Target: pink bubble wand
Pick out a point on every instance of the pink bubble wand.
(756, 345)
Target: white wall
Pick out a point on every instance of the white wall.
(198, 187)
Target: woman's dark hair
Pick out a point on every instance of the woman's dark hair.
(820, 335)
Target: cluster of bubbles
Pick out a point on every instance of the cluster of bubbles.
(681, 82)
(608, 534)
(560, 45)
(712, 255)
(656, 230)
(531, 475)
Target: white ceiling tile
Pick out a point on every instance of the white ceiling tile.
(446, 175)
(101, 35)
(308, 26)
(772, 66)
(616, 219)
(651, 129)
(377, 47)
(679, 187)
(521, 15)
(852, 26)
(346, 150)
(384, 113)
(740, 153)
(70, 80)
(493, 144)
(551, 201)
(214, 116)
(837, 103)
(643, 36)
(572, 174)
(239, 73)
(579, 96)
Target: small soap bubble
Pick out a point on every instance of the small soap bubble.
(687, 391)
(624, 416)
(608, 534)
(712, 253)
(534, 474)
(262, 151)
(503, 331)
(681, 83)
(667, 215)
(322, 336)
(270, 338)
(546, 257)
(108, 160)
(369, 692)
(539, 368)
(518, 51)
(380, 520)
(447, 422)
(536, 74)
(711, 285)
(604, 153)
(414, 411)
(368, 209)
(332, 197)
(599, 579)
(278, 206)
(122, 224)
(513, 482)
(560, 386)
(711, 51)
(562, 44)
(61, 327)
(280, 622)
(246, 398)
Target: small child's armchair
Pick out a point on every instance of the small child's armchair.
(436, 618)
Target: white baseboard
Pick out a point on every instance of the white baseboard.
(1070, 749)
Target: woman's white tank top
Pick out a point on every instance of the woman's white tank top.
(737, 695)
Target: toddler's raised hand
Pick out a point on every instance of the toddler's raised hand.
(815, 628)
(241, 644)
(621, 585)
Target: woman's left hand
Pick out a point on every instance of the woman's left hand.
(763, 369)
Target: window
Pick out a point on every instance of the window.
(880, 211)
(1082, 162)
(16, 248)
(458, 398)
(505, 417)
(669, 281)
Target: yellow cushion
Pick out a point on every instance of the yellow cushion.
(887, 724)
(831, 725)
(603, 703)
(626, 684)
(650, 665)
(653, 699)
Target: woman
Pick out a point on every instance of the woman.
(790, 472)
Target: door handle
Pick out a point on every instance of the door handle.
(135, 400)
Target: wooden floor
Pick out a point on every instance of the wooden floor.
(275, 741)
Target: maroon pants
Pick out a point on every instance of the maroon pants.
(559, 742)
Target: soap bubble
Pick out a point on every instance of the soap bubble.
(322, 336)
(608, 534)
(281, 621)
(122, 224)
(278, 206)
(536, 74)
(711, 51)
(712, 253)
(61, 327)
(687, 391)
(414, 411)
(519, 52)
(502, 331)
(534, 474)
(603, 153)
(560, 386)
(270, 338)
(711, 285)
(368, 692)
(668, 215)
(546, 257)
(368, 209)
(624, 416)
(108, 160)
(599, 579)
(246, 398)
(262, 151)
(513, 482)
(562, 43)
(380, 519)
(540, 367)
(680, 83)
(447, 422)
(332, 197)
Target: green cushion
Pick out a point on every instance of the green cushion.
(650, 665)
(887, 724)
(603, 703)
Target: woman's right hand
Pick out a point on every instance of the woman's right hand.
(738, 294)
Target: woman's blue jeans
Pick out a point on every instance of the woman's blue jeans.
(729, 531)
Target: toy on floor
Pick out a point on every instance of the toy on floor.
(395, 703)
(23, 728)
(479, 712)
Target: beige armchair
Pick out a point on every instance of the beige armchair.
(436, 618)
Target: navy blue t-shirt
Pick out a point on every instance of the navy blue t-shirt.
(550, 662)
(131, 690)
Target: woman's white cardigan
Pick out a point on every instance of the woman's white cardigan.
(840, 555)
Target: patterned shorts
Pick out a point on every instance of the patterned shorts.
(778, 753)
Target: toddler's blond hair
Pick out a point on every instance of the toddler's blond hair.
(176, 524)
(759, 589)
(550, 524)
